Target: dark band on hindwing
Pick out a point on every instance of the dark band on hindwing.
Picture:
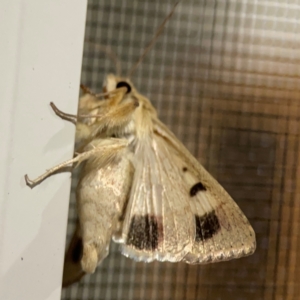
(206, 226)
(143, 232)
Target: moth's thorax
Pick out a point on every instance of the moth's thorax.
(139, 124)
(143, 121)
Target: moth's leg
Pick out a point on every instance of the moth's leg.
(106, 149)
(82, 130)
(86, 90)
(116, 99)
(64, 116)
(83, 105)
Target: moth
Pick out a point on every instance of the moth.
(140, 187)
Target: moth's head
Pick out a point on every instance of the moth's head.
(113, 82)
(91, 103)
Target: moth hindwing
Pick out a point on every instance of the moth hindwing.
(142, 188)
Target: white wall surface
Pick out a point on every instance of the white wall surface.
(40, 61)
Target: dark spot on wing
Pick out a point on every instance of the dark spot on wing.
(77, 251)
(184, 169)
(124, 84)
(197, 188)
(143, 232)
(206, 226)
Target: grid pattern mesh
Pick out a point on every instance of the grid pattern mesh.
(224, 76)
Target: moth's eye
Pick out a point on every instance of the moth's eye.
(124, 84)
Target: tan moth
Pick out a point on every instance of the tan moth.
(140, 187)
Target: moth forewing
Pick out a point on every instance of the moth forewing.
(222, 230)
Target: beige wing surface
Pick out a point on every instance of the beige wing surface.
(177, 211)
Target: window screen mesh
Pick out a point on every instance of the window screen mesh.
(224, 76)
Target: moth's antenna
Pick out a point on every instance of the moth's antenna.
(108, 51)
(157, 34)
